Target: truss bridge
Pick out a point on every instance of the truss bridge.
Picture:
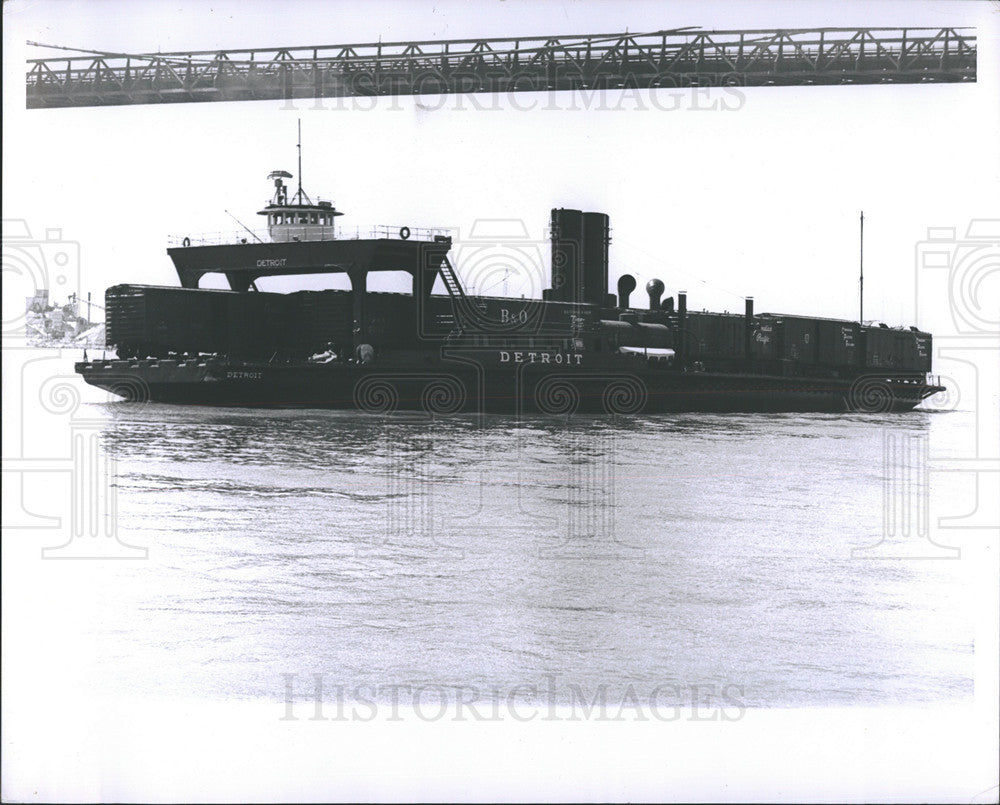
(672, 58)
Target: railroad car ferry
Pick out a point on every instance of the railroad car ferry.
(577, 349)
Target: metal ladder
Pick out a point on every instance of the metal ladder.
(459, 301)
(452, 282)
(467, 315)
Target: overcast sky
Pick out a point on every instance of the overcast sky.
(722, 194)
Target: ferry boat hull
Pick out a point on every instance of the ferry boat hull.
(468, 385)
(579, 348)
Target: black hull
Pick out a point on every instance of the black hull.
(466, 384)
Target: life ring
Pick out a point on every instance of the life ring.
(404, 233)
(186, 242)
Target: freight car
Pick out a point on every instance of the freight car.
(155, 321)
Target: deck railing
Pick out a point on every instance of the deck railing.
(308, 233)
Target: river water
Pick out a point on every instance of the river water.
(730, 562)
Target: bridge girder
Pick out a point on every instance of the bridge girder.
(678, 58)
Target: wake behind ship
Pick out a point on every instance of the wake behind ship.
(578, 349)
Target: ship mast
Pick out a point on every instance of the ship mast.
(861, 278)
(300, 194)
(300, 219)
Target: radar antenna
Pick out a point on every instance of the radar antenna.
(280, 191)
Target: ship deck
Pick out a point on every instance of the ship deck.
(244, 263)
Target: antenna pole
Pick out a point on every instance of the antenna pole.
(299, 146)
(248, 229)
(861, 278)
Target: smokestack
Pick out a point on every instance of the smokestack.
(567, 256)
(748, 328)
(655, 290)
(626, 284)
(596, 238)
